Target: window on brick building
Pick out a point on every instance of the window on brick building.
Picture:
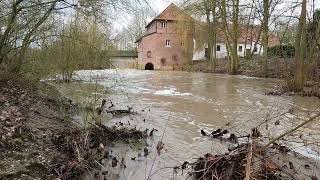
(149, 55)
(168, 43)
(163, 61)
(182, 43)
(175, 57)
(218, 47)
(163, 25)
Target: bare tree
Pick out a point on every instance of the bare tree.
(22, 22)
(210, 11)
(231, 36)
(135, 28)
(300, 49)
(265, 32)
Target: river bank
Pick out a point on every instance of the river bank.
(39, 139)
(278, 68)
(31, 115)
(178, 104)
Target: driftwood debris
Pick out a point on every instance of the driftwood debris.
(253, 159)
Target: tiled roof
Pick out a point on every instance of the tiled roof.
(172, 13)
(248, 34)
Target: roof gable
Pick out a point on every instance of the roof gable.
(171, 13)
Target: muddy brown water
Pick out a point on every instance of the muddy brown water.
(181, 104)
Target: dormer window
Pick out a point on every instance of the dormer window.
(163, 25)
(168, 43)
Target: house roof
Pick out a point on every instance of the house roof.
(171, 13)
(144, 35)
(247, 34)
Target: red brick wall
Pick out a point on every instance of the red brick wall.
(165, 57)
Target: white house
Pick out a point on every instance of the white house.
(222, 52)
(248, 37)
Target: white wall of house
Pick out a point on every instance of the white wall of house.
(223, 53)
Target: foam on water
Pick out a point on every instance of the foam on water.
(171, 92)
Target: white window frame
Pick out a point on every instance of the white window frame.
(163, 25)
(168, 43)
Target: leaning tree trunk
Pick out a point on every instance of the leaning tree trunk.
(300, 48)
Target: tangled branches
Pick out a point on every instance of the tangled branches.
(86, 148)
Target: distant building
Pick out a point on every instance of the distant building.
(249, 41)
(171, 40)
(168, 40)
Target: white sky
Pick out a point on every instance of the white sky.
(157, 6)
(121, 20)
(160, 5)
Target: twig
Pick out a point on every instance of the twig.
(164, 131)
(249, 161)
(291, 130)
(99, 164)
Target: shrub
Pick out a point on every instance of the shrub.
(282, 51)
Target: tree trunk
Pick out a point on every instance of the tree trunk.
(210, 32)
(265, 31)
(231, 38)
(214, 33)
(235, 64)
(26, 40)
(10, 24)
(300, 48)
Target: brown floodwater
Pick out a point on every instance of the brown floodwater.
(179, 105)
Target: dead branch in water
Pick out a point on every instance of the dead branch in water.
(313, 118)
(254, 159)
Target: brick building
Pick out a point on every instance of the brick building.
(173, 38)
(168, 40)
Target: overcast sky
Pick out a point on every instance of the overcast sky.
(121, 20)
(160, 5)
(157, 6)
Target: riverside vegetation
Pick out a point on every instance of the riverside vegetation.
(39, 138)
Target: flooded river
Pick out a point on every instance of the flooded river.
(179, 105)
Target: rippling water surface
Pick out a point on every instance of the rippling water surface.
(181, 104)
